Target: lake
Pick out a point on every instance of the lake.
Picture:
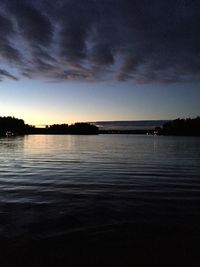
(113, 191)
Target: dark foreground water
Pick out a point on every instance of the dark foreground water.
(107, 200)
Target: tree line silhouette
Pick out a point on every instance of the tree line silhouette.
(187, 127)
(77, 128)
(14, 126)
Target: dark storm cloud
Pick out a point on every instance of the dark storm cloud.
(6, 26)
(7, 50)
(145, 41)
(31, 22)
(102, 54)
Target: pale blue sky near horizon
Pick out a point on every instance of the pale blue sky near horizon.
(41, 102)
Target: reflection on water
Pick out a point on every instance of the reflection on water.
(61, 184)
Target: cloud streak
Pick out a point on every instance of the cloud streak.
(4, 73)
(144, 41)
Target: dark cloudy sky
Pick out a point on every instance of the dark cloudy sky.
(82, 60)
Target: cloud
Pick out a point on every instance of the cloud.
(31, 22)
(97, 40)
(7, 50)
(4, 73)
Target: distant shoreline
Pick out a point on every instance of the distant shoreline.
(10, 126)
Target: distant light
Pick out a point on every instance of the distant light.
(41, 126)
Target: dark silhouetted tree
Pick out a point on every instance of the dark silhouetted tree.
(181, 127)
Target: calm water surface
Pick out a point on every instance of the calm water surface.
(55, 185)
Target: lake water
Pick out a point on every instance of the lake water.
(102, 186)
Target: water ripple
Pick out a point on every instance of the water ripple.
(73, 183)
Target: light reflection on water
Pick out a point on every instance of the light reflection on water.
(52, 184)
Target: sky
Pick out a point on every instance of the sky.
(65, 61)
